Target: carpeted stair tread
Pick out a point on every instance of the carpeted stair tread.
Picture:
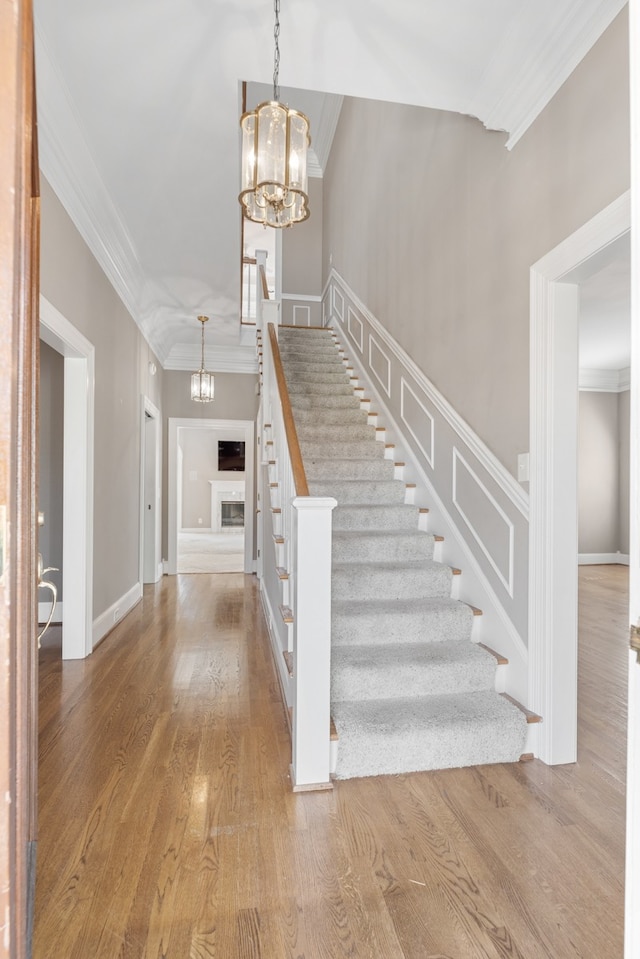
(349, 469)
(341, 401)
(417, 580)
(431, 620)
(413, 669)
(311, 378)
(350, 492)
(330, 417)
(320, 389)
(432, 732)
(337, 432)
(361, 516)
(333, 448)
(368, 546)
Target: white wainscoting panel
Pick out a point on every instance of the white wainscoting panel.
(302, 316)
(380, 364)
(485, 519)
(418, 420)
(338, 303)
(355, 329)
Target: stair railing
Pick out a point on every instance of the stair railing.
(303, 551)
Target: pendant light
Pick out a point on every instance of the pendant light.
(202, 381)
(275, 140)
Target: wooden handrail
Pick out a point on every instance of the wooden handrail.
(297, 466)
(265, 288)
(249, 260)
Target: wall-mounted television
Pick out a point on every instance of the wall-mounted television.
(231, 455)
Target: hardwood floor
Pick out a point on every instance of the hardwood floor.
(168, 827)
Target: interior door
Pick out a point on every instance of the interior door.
(19, 257)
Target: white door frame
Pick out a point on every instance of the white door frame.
(77, 522)
(553, 533)
(248, 428)
(149, 411)
(632, 864)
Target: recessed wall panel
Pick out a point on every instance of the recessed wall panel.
(487, 522)
(418, 420)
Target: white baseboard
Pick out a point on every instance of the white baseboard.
(603, 559)
(117, 611)
(45, 608)
(196, 529)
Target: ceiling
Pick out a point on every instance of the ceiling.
(139, 104)
(605, 313)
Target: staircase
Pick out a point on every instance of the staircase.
(409, 689)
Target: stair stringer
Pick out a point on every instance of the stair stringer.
(496, 628)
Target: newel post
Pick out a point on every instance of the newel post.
(312, 641)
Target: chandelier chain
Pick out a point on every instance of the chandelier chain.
(276, 52)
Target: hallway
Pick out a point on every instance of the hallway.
(168, 828)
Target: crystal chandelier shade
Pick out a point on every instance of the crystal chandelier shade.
(202, 383)
(275, 140)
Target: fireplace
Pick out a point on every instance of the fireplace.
(231, 514)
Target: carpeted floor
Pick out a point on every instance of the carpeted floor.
(211, 552)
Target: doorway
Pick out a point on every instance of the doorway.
(553, 534)
(210, 496)
(77, 479)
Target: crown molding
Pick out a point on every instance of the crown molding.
(323, 138)
(545, 68)
(604, 381)
(63, 153)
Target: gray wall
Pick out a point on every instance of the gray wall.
(73, 281)
(51, 462)
(302, 248)
(603, 473)
(434, 225)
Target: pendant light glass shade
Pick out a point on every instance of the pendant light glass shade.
(275, 140)
(202, 382)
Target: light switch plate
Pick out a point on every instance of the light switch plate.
(523, 467)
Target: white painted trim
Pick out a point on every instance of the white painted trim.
(430, 457)
(507, 483)
(43, 613)
(553, 480)
(63, 148)
(306, 298)
(359, 341)
(507, 581)
(105, 622)
(604, 381)
(386, 385)
(339, 312)
(632, 858)
(544, 72)
(176, 423)
(78, 442)
(602, 559)
(306, 311)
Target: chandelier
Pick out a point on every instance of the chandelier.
(202, 381)
(275, 140)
